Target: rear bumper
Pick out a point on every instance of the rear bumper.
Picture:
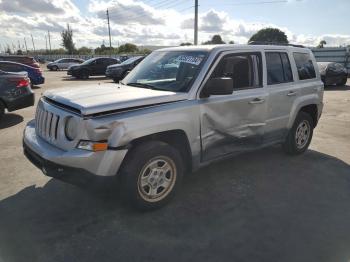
(38, 80)
(23, 101)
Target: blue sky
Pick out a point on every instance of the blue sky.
(170, 22)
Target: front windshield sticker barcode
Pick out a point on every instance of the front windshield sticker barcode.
(189, 59)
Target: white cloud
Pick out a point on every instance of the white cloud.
(131, 21)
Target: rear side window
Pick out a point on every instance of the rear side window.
(278, 68)
(304, 65)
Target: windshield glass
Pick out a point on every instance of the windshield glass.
(167, 70)
(130, 60)
(88, 61)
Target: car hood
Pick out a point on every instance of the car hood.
(93, 99)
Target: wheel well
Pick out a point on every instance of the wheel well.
(175, 138)
(312, 111)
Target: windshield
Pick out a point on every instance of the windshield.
(167, 70)
(88, 61)
(130, 60)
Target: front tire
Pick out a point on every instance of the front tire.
(150, 175)
(55, 68)
(300, 135)
(84, 75)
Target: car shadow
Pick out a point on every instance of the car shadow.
(337, 88)
(36, 87)
(261, 206)
(9, 120)
(89, 79)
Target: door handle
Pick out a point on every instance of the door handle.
(257, 101)
(292, 93)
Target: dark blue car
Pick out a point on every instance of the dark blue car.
(35, 75)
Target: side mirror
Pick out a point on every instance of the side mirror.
(218, 86)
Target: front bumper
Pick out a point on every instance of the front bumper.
(75, 166)
(113, 74)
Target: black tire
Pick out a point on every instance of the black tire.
(116, 80)
(84, 74)
(2, 110)
(55, 68)
(343, 82)
(290, 144)
(137, 164)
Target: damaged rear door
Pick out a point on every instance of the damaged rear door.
(236, 122)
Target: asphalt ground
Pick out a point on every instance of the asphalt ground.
(260, 206)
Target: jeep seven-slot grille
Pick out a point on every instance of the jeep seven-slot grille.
(46, 124)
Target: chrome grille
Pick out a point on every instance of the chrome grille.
(46, 124)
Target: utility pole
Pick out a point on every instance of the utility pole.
(195, 22)
(48, 32)
(32, 42)
(46, 43)
(109, 33)
(25, 43)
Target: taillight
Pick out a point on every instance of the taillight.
(23, 83)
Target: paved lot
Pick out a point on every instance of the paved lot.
(261, 206)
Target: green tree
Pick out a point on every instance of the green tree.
(215, 40)
(272, 35)
(84, 50)
(67, 40)
(128, 48)
(321, 44)
(231, 42)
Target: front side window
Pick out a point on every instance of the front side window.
(304, 65)
(167, 70)
(278, 68)
(244, 69)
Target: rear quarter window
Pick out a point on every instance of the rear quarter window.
(304, 65)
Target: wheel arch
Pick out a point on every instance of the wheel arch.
(176, 138)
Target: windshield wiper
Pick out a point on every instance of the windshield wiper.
(142, 85)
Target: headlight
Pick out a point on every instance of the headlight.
(71, 128)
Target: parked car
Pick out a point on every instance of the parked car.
(158, 126)
(35, 74)
(64, 63)
(119, 71)
(26, 60)
(332, 73)
(15, 92)
(93, 67)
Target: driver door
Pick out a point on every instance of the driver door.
(236, 122)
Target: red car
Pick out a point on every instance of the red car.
(27, 60)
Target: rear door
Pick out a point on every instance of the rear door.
(282, 93)
(236, 122)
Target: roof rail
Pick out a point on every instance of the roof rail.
(273, 43)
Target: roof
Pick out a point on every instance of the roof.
(226, 47)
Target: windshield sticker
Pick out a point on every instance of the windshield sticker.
(189, 59)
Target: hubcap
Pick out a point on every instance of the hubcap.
(302, 134)
(157, 179)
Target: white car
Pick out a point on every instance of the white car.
(63, 63)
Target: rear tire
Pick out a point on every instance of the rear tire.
(343, 82)
(2, 110)
(150, 175)
(300, 135)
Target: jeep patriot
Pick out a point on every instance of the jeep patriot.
(181, 108)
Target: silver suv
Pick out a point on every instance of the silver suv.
(178, 110)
